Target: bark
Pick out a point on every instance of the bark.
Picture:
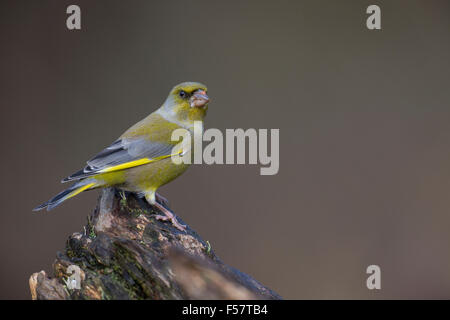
(125, 253)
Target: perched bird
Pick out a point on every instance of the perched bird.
(140, 159)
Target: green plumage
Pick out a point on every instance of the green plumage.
(139, 161)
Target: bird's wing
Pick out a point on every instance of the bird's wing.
(123, 154)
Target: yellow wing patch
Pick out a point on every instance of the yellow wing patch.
(134, 163)
(79, 190)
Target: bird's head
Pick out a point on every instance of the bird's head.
(187, 101)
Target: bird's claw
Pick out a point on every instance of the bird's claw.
(161, 217)
(172, 219)
(168, 215)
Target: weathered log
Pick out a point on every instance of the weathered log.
(125, 253)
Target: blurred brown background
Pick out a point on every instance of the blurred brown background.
(364, 122)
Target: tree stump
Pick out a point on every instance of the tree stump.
(125, 253)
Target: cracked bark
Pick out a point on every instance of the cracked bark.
(125, 253)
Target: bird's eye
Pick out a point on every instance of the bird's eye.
(183, 94)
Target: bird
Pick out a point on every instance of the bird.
(140, 160)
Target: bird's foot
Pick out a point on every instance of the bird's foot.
(162, 200)
(174, 221)
(169, 216)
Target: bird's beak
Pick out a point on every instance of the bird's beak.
(199, 99)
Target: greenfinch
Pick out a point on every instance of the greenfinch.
(140, 160)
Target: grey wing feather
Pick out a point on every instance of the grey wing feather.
(120, 152)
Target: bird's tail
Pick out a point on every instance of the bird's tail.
(66, 194)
